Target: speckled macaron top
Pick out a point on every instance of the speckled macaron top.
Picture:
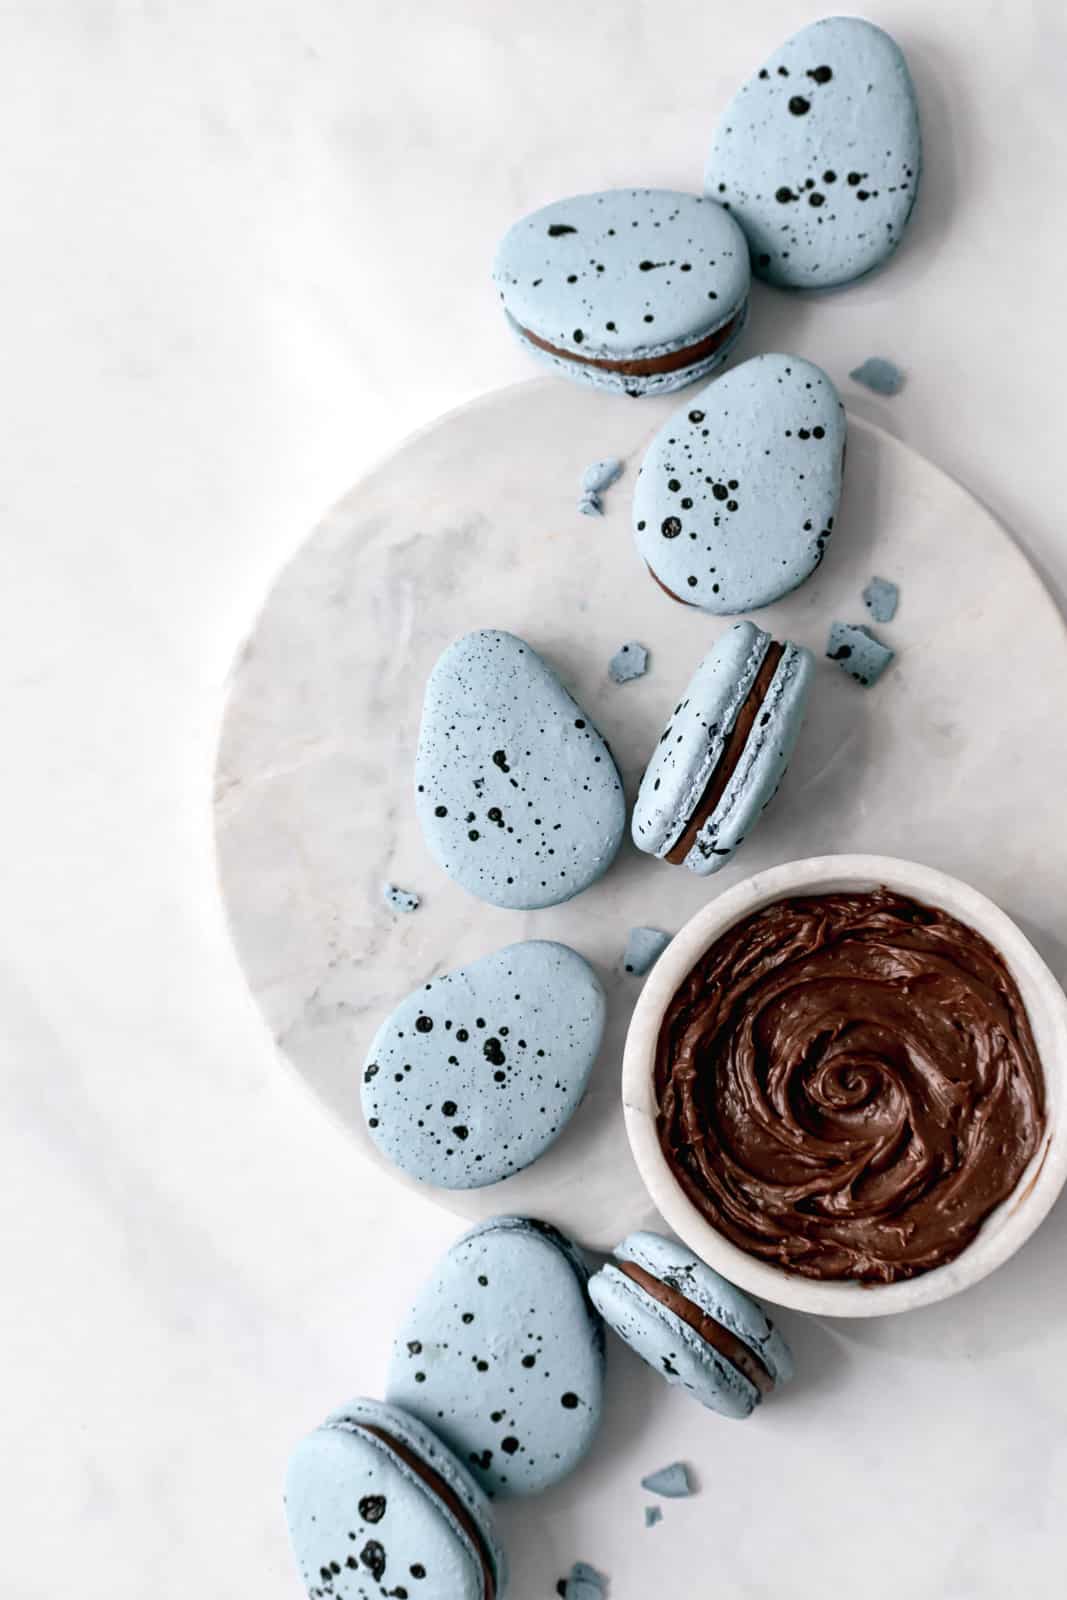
(376, 1505)
(477, 1072)
(503, 1356)
(736, 498)
(611, 287)
(516, 792)
(818, 155)
(673, 1345)
(743, 708)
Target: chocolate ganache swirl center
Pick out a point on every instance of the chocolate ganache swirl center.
(848, 1085)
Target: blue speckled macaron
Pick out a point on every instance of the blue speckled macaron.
(736, 497)
(722, 755)
(517, 793)
(476, 1073)
(818, 155)
(503, 1356)
(691, 1325)
(377, 1506)
(637, 290)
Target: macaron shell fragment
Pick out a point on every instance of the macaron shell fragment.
(362, 1521)
(621, 276)
(516, 792)
(476, 1073)
(735, 501)
(503, 1356)
(858, 653)
(818, 155)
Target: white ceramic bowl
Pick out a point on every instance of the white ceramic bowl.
(1003, 1232)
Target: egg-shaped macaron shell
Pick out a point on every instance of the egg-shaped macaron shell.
(503, 1356)
(516, 792)
(477, 1072)
(736, 498)
(818, 155)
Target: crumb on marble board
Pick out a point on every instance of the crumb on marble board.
(644, 946)
(878, 375)
(404, 900)
(672, 1482)
(858, 652)
(630, 661)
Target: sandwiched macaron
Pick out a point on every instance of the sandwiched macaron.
(818, 155)
(722, 756)
(639, 290)
(503, 1356)
(736, 497)
(691, 1325)
(517, 794)
(477, 1072)
(376, 1505)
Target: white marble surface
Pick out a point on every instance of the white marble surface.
(244, 252)
(314, 806)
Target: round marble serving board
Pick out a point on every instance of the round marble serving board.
(956, 758)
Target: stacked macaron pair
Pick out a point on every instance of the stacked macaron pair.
(809, 184)
(495, 1390)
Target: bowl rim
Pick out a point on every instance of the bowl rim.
(1001, 1234)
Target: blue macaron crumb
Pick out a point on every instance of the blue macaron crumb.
(858, 652)
(671, 1482)
(600, 475)
(597, 477)
(584, 1583)
(878, 375)
(881, 599)
(400, 899)
(630, 661)
(653, 1514)
(644, 946)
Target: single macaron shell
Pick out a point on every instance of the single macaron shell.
(736, 498)
(672, 1345)
(636, 290)
(705, 748)
(503, 1356)
(516, 792)
(376, 1504)
(818, 155)
(476, 1073)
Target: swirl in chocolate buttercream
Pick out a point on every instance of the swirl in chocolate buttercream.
(848, 1085)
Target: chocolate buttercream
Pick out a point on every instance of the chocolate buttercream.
(448, 1497)
(732, 751)
(848, 1085)
(646, 366)
(728, 1345)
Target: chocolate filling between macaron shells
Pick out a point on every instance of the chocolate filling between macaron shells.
(727, 1344)
(443, 1492)
(647, 366)
(732, 752)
